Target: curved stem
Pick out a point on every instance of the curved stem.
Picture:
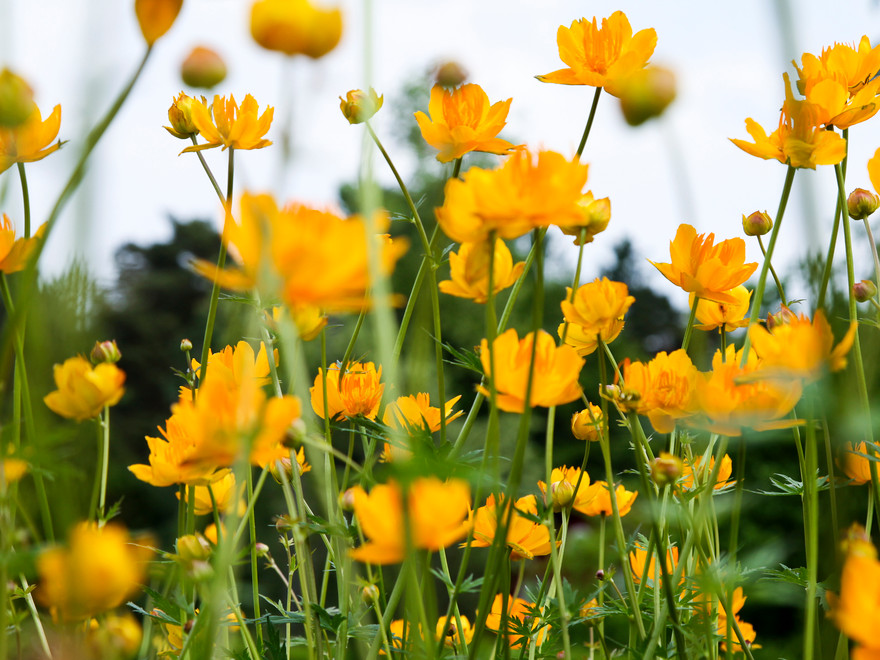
(589, 125)
(26, 200)
(689, 329)
(208, 171)
(782, 298)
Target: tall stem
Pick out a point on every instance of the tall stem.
(589, 125)
(26, 200)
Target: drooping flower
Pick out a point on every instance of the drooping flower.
(587, 423)
(554, 378)
(416, 412)
(155, 17)
(15, 252)
(520, 612)
(528, 191)
(598, 500)
(357, 391)
(295, 27)
(462, 120)
(83, 390)
(601, 56)
(469, 270)
(708, 270)
(662, 389)
(525, 538)
(231, 126)
(597, 309)
(726, 316)
(696, 474)
(30, 141)
(437, 513)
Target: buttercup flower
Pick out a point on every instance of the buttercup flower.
(597, 308)
(15, 252)
(359, 106)
(240, 363)
(595, 216)
(173, 457)
(356, 392)
(747, 630)
(30, 141)
(729, 316)
(450, 635)
(155, 17)
(469, 270)
(295, 27)
(662, 389)
(526, 539)
(463, 121)
(601, 56)
(84, 390)
(554, 377)
(587, 424)
(597, 500)
(708, 270)
(232, 126)
(415, 412)
(220, 493)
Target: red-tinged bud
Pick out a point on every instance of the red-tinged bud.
(757, 223)
(105, 351)
(861, 203)
(665, 469)
(203, 68)
(450, 74)
(359, 106)
(864, 290)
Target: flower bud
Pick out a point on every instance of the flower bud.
(646, 94)
(185, 345)
(346, 500)
(757, 224)
(562, 493)
(261, 549)
(155, 17)
(105, 351)
(587, 424)
(180, 116)
(858, 542)
(864, 290)
(359, 106)
(861, 203)
(193, 547)
(16, 99)
(370, 594)
(782, 317)
(600, 575)
(666, 469)
(203, 68)
(450, 74)
(284, 523)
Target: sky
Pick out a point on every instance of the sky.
(728, 59)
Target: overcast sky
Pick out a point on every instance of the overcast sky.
(728, 58)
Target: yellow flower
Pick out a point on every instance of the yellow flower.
(856, 610)
(415, 412)
(597, 309)
(437, 517)
(240, 363)
(359, 106)
(697, 474)
(84, 390)
(519, 611)
(601, 57)
(554, 376)
(595, 216)
(30, 141)
(662, 389)
(708, 270)
(11, 470)
(356, 392)
(562, 488)
(98, 570)
(469, 270)
(587, 424)
(462, 120)
(219, 494)
(729, 316)
(637, 564)
(295, 27)
(800, 140)
(172, 460)
(450, 635)
(854, 463)
(747, 630)
(115, 636)
(528, 191)
(526, 539)
(15, 252)
(232, 126)
(597, 500)
(155, 17)
(180, 117)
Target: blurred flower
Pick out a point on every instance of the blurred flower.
(16, 99)
(220, 494)
(450, 635)
(666, 469)
(594, 219)
(359, 106)
(285, 465)
(31, 140)
(729, 316)
(864, 290)
(565, 479)
(83, 390)
(469, 270)
(696, 474)
(115, 636)
(105, 351)
(639, 563)
(203, 67)
(662, 389)
(239, 363)
(519, 612)
(528, 191)
(525, 538)
(172, 460)
(437, 513)
(598, 500)
(646, 94)
(450, 74)
(11, 470)
(156, 17)
(415, 412)
(856, 610)
(757, 223)
(554, 378)
(597, 308)
(854, 463)
(358, 391)
(15, 252)
(747, 630)
(232, 126)
(463, 121)
(180, 117)
(295, 27)
(601, 57)
(587, 424)
(708, 270)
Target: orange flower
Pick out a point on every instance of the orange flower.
(595, 216)
(155, 17)
(240, 363)
(359, 106)
(856, 610)
(598, 500)
(437, 512)
(356, 392)
(84, 390)
(747, 630)
(587, 424)
(220, 493)
(415, 412)
(601, 57)
(637, 564)
(295, 27)
(15, 253)
(469, 270)
(729, 316)
(463, 121)
(710, 271)
(554, 377)
(528, 191)
(562, 488)
(697, 474)
(31, 141)
(597, 309)
(519, 612)
(663, 389)
(526, 539)
(232, 126)
(172, 460)
(854, 463)
(800, 140)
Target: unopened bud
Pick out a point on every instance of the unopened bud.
(105, 351)
(665, 469)
(193, 547)
(600, 575)
(296, 433)
(370, 594)
(203, 68)
(261, 549)
(450, 74)
(861, 203)
(646, 94)
(865, 290)
(757, 223)
(16, 99)
(185, 345)
(358, 106)
(346, 500)
(284, 523)
(783, 317)
(562, 493)
(587, 424)
(180, 116)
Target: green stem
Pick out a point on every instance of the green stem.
(26, 200)
(782, 298)
(812, 530)
(689, 329)
(874, 254)
(255, 567)
(840, 211)
(105, 462)
(208, 171)
(589, 125)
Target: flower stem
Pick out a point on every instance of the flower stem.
(689, 329)
(208, 171)
(105, 462)
(782, 298)
(26, 200)
(589, 125)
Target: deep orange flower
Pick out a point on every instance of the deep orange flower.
(416, 412)
(729, 316)
(295, 27)
(662, 389)
(232, 126)
(601, 57)
(469, 270)
(708, 270)
(525, 538)
(856, 610)
(437, 512)
(84, 390)
(463, 121)
(519, 611)
(356, 392)
(528, 191)
(15, 252)
(747, 630)
(554, 377)
(854, 463)
(597, 309)
(30, 141)
(598, 500)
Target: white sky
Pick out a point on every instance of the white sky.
(728, 58)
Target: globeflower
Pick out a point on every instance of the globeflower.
(469, 270)
(231, 126)
(695, 474)
(15, 252)
(597, 309)
(597, 500)
(155, 17)
(854, 463)
(525, 538)
(562, 488)
(708, 270)
(359, 106)
(554, 379)
(519, 612)
(415, 412)
(462, 121)
(357, 391)
(856, 609)
(601, 56)
(640, 565)
(30, 141)
(587, 423)
(595, 216)
(662, 389)
(295, 27)
(83, 390)
(723, 316)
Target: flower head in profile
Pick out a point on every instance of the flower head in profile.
(356, 391)
(595, 216)
(854, 462)
(696, 474)
(586, 424)
(228, 125)
(416, 412)
(155, 17)
(525, 538)
(15, 252)
(462, 120)
(30, 141)
(295, 27)
(554, 379)
(663, 389)
(856, 609)
(597, 500)
(601, 56)
(713, 315)
(597, 309)
(565, 489)
(520, 612)
(469, 270)
(701, 267)
(180, 116)
(359, 106)
(84, 390)
(746, 628)
(220, 494)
